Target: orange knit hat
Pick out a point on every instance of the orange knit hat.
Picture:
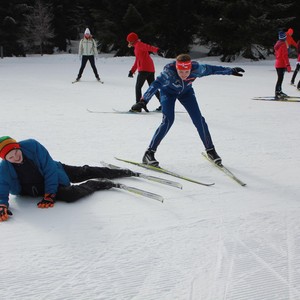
(6, 145)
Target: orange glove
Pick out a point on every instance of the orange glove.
(4, 212)
(47, 201)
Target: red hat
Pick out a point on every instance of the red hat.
(132, 37)
(183, 65)
(6, 145)
(290, 31)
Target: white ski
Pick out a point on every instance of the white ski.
(148, 177)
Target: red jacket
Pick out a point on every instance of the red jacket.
(143, 61)
(290, 40)
(281, 55)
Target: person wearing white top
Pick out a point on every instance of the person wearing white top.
(87, 52)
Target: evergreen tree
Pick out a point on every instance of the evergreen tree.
(12, 21)
(236, 27)
(228, 27)
(175, 23)
(38, 29)
(113, 22)
(61, 25)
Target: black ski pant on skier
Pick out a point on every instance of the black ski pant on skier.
(84, 60)
(141, 78)
(78, 174)
(295, 74)
(280, 76)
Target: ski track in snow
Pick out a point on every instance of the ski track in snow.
(224, 242)
(240, 257)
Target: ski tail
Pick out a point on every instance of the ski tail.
(139, 192)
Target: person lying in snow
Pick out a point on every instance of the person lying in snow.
(27, 169)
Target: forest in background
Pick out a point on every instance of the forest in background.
(229, 28)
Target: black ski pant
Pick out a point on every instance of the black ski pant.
(141, 78)
(78, 174)
(295, 73)
(280, 76)
(84, 60)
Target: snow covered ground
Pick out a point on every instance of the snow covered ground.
(224, 242)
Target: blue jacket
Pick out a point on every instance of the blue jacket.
(52, 171)
(169, 81)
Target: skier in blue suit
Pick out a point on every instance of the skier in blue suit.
(175, 82)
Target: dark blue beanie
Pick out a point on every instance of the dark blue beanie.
(281, 35)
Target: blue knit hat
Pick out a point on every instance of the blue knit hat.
(281, 35)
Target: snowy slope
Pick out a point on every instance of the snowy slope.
(203, 243)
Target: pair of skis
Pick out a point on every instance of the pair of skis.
(164, 171)
(130, 112)
(148, 177)
(75, 81)
(221, 167)
(154, 196)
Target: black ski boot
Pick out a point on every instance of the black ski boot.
(280, 95)
(213, 156)
(149, 158)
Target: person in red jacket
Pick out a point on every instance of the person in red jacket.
(297, 67)
(143, 64)
(282, 63)
(289, 39)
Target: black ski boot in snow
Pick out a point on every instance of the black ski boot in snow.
(149, 158)
(213, 156)
(280, 95)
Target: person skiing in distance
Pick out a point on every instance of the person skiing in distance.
(143, 64)
(175, 82)
(27, 169)
(282, 63)
(87, 51)
(297, 67)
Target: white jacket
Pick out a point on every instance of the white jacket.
(87, 47)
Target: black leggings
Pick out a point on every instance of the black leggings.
(84, 60)
(78, 174)
(280, 76)
(141, 78)
(295, 74)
